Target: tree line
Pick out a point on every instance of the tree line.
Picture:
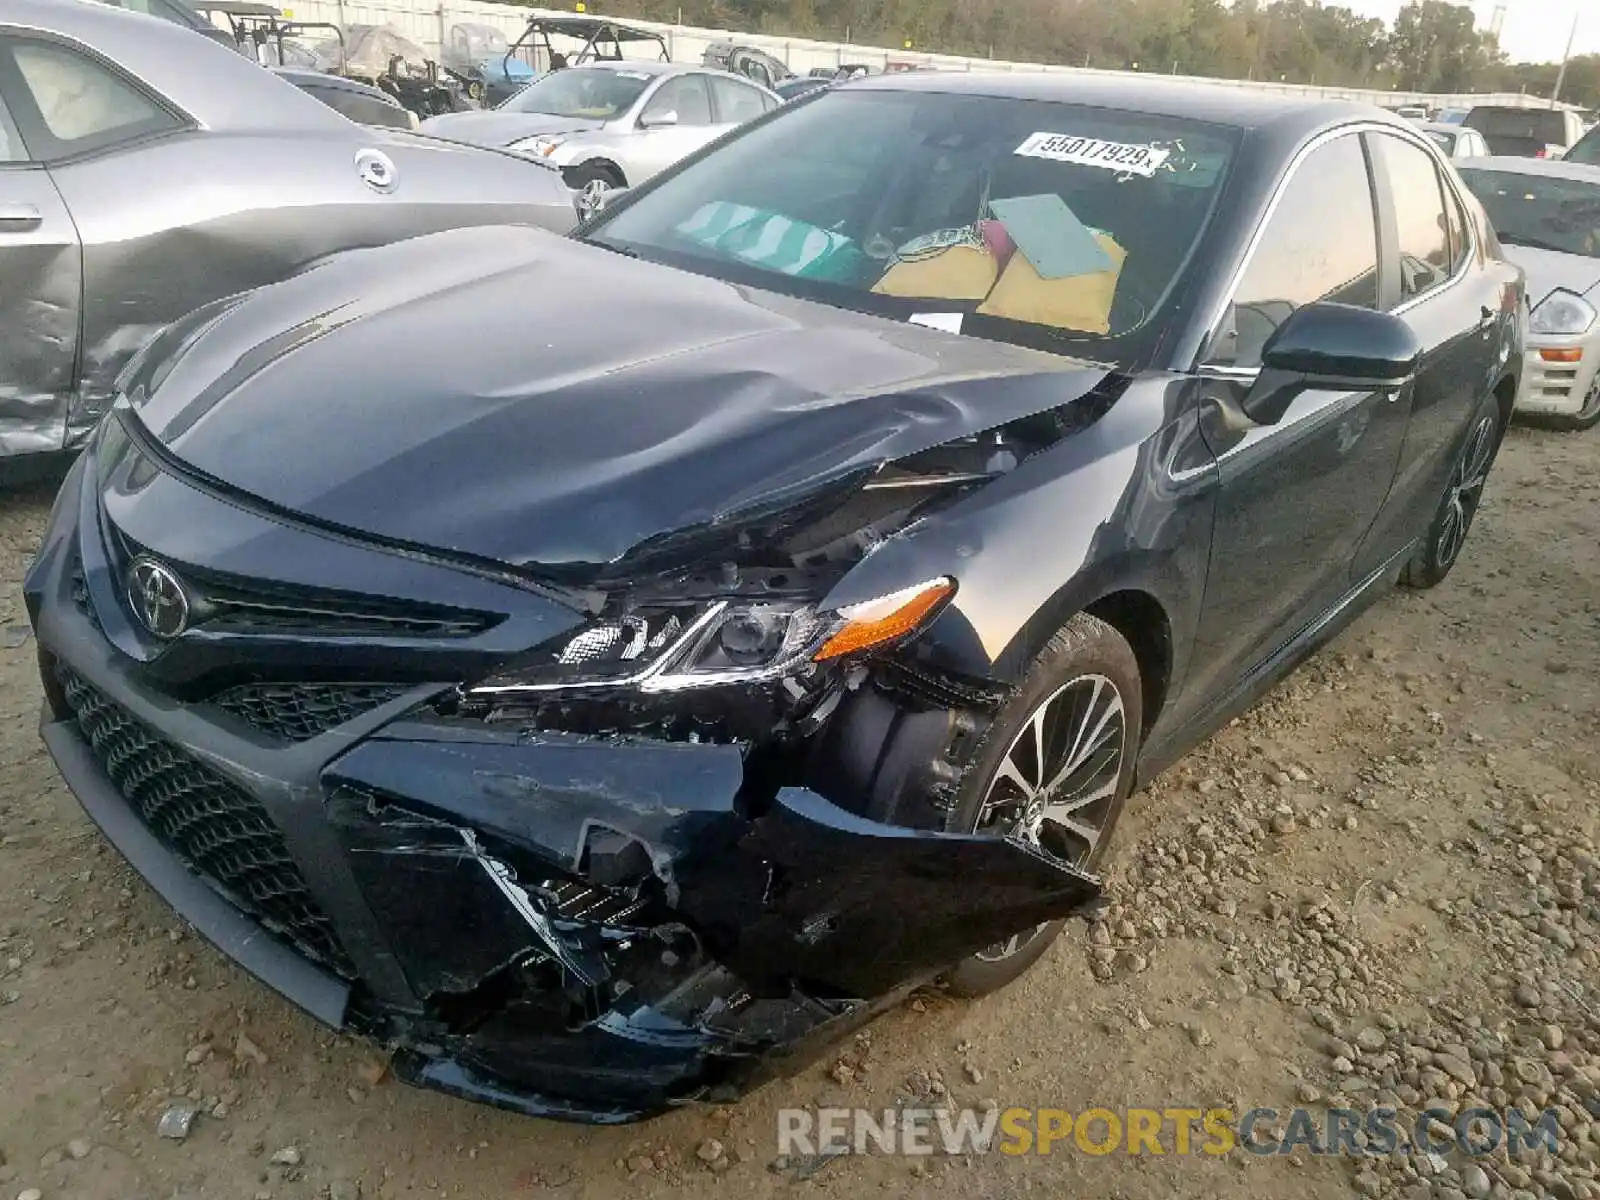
(1432, 46)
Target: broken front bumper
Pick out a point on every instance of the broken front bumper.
(569, 926)
(589, 928)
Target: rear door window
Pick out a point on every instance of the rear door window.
(736, 102)
(1460, 238)
(1422, 228)
(72, 104)
(684, 95)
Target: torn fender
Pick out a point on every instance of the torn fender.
(832, 900)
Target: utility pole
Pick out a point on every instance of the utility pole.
(1561, 75)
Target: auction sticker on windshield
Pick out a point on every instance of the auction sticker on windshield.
(1123, 157)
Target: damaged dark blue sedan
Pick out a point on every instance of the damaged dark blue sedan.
(605, 668)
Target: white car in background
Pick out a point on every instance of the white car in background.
(613, 125)
(1457, 141)
(1547, 215)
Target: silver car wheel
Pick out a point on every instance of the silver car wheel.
(592, 197)
(1466, 489)
(1056, 787)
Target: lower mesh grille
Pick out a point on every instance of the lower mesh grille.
(297, 711)
(218, 828)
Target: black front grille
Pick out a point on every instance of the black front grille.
(218, 828)
(234, 604)
(297, 711)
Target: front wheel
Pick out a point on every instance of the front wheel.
(1053, 770)
(592, 179)
(1463, 494)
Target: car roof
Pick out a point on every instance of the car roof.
(1446, 127)
(216, 86)
(1215, 104)
(1553, 168)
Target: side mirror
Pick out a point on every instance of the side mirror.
(1334, 346)
(660, 120)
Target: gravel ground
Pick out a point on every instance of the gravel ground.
(1382, 884)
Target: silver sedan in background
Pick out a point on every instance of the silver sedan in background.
(146, 170)
(613, 125)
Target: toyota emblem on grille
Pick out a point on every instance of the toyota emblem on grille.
(157, 597)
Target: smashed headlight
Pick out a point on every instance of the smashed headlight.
(667, 648)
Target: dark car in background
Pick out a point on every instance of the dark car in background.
(1525, 132)
(1587, 150)
(801, 85)
(361, 102)
(604, 668)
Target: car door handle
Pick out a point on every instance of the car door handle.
(1486, 319)
(19, 218)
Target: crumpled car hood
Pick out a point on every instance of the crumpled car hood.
(511, 395)
(495, 128)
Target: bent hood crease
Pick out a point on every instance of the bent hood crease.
(505, 393)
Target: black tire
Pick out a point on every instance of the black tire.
(1458, 506)
(1082, 651)
(1585, 418)
(582, 175)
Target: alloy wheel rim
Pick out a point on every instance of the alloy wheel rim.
(594, 193)
(1056, 785)
(1466, 490)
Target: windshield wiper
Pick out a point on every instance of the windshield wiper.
(611, 246)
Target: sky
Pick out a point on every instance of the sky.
(1534, 31)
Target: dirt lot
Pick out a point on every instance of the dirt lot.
(1381, 884)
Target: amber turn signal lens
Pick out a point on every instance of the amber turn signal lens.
(1566, 355)
(875, 622)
